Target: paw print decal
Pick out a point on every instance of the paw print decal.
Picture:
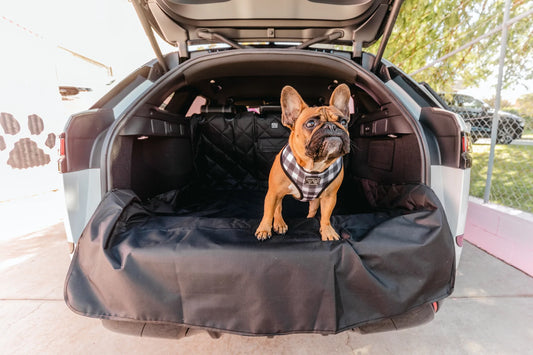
(25, 152)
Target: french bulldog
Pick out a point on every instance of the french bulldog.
(310, 166)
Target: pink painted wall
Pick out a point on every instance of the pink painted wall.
(502, 232)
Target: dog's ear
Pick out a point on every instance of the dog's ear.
(341, 99)
(292, 105)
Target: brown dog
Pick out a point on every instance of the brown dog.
(310, 167)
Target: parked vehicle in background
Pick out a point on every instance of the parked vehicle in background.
(479, 115)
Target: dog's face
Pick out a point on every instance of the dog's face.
(317, 133)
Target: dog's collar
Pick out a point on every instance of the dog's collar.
(310, 184)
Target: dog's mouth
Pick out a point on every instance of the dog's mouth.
(328, 145)
(331, 146)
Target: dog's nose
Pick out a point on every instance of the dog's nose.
(330, 126)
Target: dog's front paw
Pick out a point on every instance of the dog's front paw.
(328, 233)
(280, 226)
(263, 232)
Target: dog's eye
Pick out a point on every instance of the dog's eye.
(343, 122)
(311, 123)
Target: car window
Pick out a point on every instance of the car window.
(165, 103)
(470, 102)
(196, 106)
(449, 99)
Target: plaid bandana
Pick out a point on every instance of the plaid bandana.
(309, 184)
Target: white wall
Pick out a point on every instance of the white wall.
(28, 86)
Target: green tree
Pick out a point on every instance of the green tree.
(428, 30)
(524, 104)
(504, 104)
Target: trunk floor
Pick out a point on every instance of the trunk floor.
(246, 204)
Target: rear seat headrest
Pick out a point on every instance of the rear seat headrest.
(269, 109)
(218, 109)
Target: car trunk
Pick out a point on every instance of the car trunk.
(173, 239)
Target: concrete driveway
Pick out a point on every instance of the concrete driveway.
(490, 312)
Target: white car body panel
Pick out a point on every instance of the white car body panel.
(82, 196)
(450, 185)
(410, 104)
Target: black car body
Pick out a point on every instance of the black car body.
(480, 115)
(165, 178)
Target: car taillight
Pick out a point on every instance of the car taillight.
(467, 144)
(62, 145)
(466, 151)
(62, 162)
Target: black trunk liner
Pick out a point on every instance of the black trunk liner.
(191, 258)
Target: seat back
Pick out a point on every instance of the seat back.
(236, 151)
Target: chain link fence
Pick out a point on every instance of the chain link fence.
(479, 115)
